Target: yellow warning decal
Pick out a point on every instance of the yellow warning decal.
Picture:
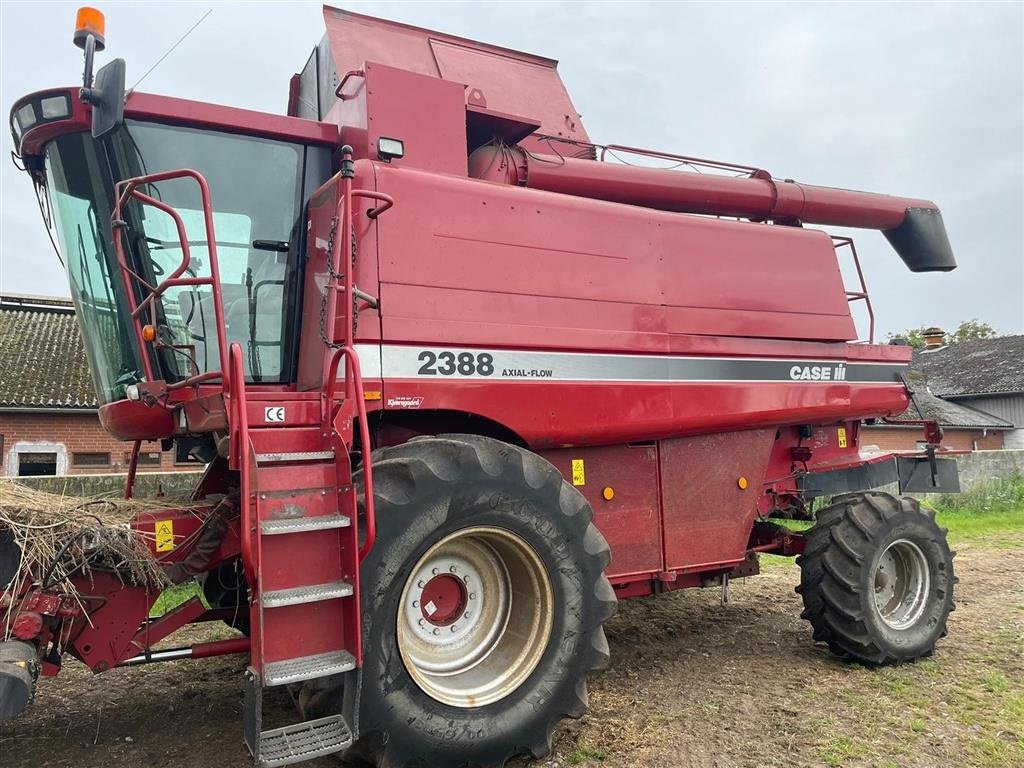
(842, 437)
(164, 535)
(579, 476)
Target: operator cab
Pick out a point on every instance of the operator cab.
(260, 170)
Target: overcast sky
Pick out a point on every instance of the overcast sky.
(917, 99)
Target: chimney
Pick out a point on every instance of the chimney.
(934, 338)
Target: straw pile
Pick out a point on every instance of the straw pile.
(64, 536)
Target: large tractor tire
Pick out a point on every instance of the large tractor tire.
(483, 604)
(876, 578)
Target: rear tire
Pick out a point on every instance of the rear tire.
(451, 512)
(876, 578)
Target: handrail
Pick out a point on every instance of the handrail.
(127, 190)
(353, 372)
(239, 451)
(862, 294)
(351, 73)
(681, 159)
(354, 381)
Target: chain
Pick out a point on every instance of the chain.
(334, 278)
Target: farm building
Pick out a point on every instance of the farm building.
(973, 389)
(48, 409)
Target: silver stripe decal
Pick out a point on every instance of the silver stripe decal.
(458, 363)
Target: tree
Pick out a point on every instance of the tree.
(968, 330)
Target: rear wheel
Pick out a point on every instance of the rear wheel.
(877, 578)
(483, 604)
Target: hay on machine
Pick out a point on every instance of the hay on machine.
(58, 537)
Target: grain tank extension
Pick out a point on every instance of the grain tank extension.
(461, 379)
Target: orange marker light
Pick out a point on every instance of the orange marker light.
(373, 394)
(148, 334)
(608, 493)
(90, 21)
(742, 483)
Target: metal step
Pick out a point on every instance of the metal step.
(303, 741)
(307, 667)
(302, 524)
(280, 458)
(311, 593)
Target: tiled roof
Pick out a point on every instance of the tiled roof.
(43, 358)
(927, 406)
(984, 366)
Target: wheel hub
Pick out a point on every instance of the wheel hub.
(475, 616)
(902, 583)
(443, 600)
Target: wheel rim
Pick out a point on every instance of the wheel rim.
(475, 616)
(902, 583)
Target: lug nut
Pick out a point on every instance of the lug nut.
(434, 571)
(437, 631)
(415, 603)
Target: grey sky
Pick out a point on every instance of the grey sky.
(924, 100)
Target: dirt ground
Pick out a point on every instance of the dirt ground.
(691, 684)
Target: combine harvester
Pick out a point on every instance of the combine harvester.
(462, 381)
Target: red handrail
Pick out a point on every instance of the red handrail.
(353, 372)
(354, 376)
(127, 190)
(239, 453)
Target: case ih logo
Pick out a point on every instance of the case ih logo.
(818, 372)
(405, 402)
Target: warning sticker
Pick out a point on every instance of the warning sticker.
(164, 535)
(579, 477)
(842, 437)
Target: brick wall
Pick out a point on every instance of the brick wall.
(67, 434)
(905, 439)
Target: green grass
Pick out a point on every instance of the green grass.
(989, 511)
(585, 754)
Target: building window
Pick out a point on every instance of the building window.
(90, 459)
(146, 458)
(37, 464)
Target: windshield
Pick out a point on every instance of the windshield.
(257, 187)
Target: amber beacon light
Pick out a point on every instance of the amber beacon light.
(90, 21)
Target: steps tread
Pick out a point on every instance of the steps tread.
(303, 741)
(307, 667)
(310, 593)
(303, 524)
(278, 458)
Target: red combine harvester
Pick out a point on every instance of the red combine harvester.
(462, 380)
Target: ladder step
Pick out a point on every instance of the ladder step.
(302, 524)
(279, 458)
(308, 667)
(311, 593)
(303, 741)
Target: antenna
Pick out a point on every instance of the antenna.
(171, 49)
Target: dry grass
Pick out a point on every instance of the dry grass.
(61, 536)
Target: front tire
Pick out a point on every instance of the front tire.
(877, 578)
(483, 604)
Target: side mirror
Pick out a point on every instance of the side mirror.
(107, 98)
